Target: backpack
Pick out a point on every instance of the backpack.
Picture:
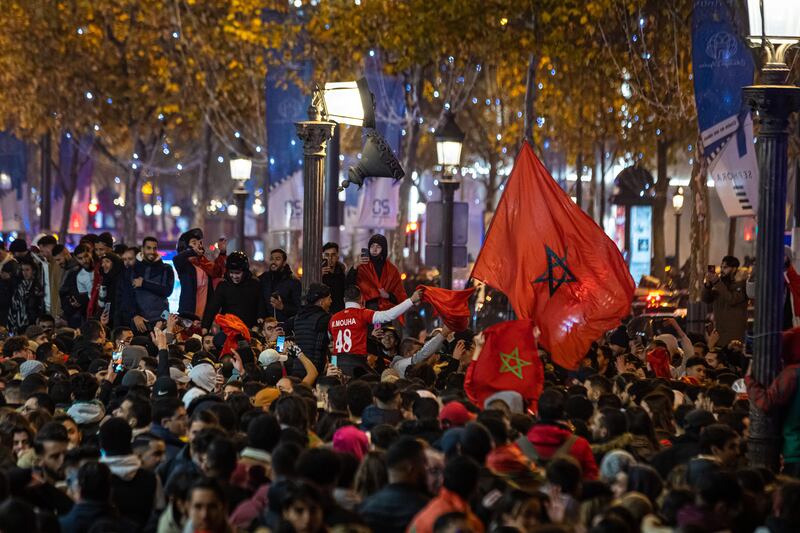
(529, 449)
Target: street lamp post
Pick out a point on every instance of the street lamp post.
(677, 206)
(449, 141)
(241, 167)
(775, 26)
(337, 103)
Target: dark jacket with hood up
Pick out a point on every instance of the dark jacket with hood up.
(241, 299)
(378, 264)
(287, 286)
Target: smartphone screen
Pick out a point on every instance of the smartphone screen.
(712, 269)
(279, 343)
(334, 360)
(116, 357)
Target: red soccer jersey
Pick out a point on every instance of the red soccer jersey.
(348, 329)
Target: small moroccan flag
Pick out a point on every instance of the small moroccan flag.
(509, 360)
(452, 306)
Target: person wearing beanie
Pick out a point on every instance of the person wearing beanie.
(203, 381)
(377, 277)
(31, 367)
(134, 490)
(311, 326)
(350, 439)
(238, 294)
(280, 289)
(199, 275)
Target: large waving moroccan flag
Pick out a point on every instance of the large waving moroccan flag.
(509, 360)
(555, 264)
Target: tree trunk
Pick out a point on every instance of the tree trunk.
(491, 193)
(602, 169)
(579, 180)
(69, 185)
(659, 208)
(530, 96)
(130, 231)
(591, 204)
(199, 210)
(699, 231)
(410, 144)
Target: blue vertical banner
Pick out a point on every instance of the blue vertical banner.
(286, 103)
(722, 65)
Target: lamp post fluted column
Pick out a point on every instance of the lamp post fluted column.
(240, 194)
(315, 134)
(448, 186)
(678, 240)
(772, 105)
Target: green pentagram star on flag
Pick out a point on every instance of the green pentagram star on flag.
(554, 262)
(518, 363)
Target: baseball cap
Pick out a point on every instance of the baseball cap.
(269, 356)
(165, 387)
(456, 414)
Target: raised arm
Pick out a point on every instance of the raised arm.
(398, 310)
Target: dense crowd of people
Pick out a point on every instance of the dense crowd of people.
(257, 407)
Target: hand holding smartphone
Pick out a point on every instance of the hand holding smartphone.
(280, 343)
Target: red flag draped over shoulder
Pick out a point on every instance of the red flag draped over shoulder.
(390, 281)
(509, 361)
(233, 328)
(452, 306)
(555, 264)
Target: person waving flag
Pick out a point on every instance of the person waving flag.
(555, 264)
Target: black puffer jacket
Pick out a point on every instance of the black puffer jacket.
(311, 334)
(287, 286)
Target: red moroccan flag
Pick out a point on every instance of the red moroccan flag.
(509, 360)
(554, 263)
(452, 306)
